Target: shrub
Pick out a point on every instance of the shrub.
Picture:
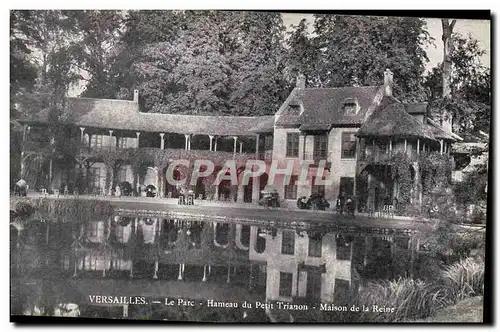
(464, 278)
(410, 298)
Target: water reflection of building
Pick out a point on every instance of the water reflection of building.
(258, 262)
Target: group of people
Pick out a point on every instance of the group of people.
(345, 204)
(314, 202)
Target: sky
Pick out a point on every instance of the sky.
(479, 29)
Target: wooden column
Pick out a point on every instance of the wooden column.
(241, 147)
(257, 138)
(366, 251)
(215, 144)
(250, 279)
(204, 273)
(110, 138)
(180, 272)
(155, 275)
(211, 139)
(82, 129)
(137, 134)
(406, 144)
(235, 138)
(304, 147)
(418, 145)
(162, 142)
(125, 310)
(186, 137)
(441, 146)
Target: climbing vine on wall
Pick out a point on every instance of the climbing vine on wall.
(401, 171)
(436, 171)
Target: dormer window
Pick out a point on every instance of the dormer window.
(350, 106)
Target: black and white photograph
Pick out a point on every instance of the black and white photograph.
(244, 166)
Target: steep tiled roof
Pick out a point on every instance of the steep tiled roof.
(122, 114)
(264, 127)
(390, 118)
(416, 108)
(322, 107)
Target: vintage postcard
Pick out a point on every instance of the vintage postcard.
(248, 166)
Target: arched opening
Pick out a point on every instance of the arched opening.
(194, 234)
(171, 190)
(221, 236)
(200, 190)
(226, 190)
(122, 229)
(263, 183)
(245, 235)
(148, 229)
(260, 242)
(247, 193)
(170, 233)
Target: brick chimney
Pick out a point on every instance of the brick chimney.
(136, 96)
(301, 82)
(388, 82)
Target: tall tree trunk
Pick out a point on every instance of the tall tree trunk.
(447, 49)
(446, 116)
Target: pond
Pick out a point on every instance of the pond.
(132, 266)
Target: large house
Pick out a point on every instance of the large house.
(356, 130)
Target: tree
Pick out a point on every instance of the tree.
(469, 99)
(302, 54)
(355, 50)
(210, 62)
(47, 37)
(99, 32)
(254, 46)
(447, 49)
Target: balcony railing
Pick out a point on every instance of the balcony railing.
(384, 157)
(174, 154)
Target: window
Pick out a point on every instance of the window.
(122, 174)
(320, 147)
(346, 186)
(317, 189)
(315, 244)
(348, 146)
(350, 108)
(286, 284)
(288, 243)
(95, 228)
(96, 141)
(123, 142)
(341, 292)
(343, 247)
(291, 189)
(292, 144)
(95, 177)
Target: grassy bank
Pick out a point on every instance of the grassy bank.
(59, 210)
(417, 299)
